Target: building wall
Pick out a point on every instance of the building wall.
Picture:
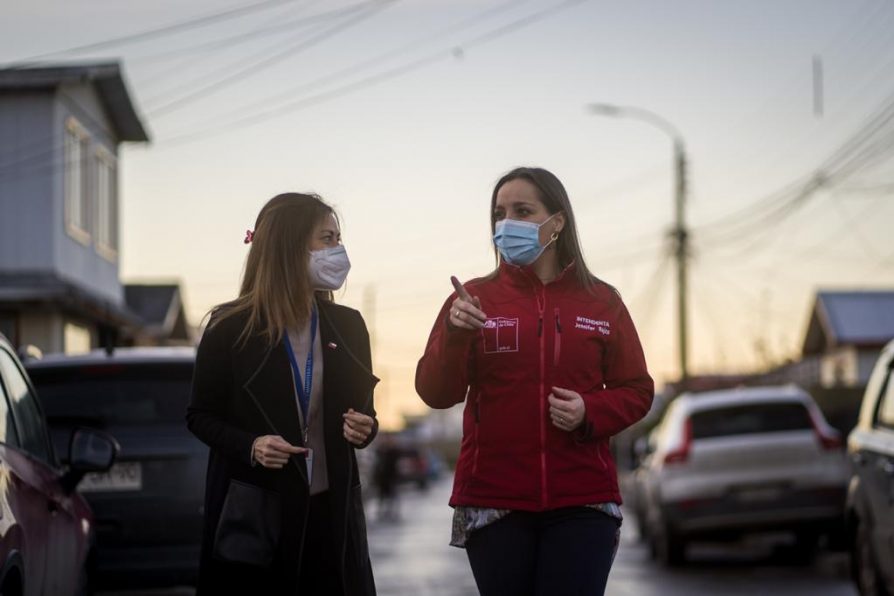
(29, 154)
(44, 329)
(839, 367)
(78, 262)
(865, 363)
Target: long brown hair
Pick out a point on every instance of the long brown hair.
(554, 197)
(275, 291)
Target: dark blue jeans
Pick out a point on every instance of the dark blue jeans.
(564, 552)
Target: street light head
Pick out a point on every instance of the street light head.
(605, 109)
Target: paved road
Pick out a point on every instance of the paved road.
(411, 557)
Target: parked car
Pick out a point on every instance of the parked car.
(149, 506)
(635, 483)
(734, 462)
(47, 531)
(870, 499)
(418, 465)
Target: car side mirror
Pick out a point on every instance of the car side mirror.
(88, 451)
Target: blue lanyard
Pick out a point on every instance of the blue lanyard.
(304, 392)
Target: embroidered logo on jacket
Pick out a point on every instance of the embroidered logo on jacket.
(585, 324)
(500, 335)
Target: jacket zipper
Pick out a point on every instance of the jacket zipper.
(541, 307)
(476, 410)
(557, 346)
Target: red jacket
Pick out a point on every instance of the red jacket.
(536, 337)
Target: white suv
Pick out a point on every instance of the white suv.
(726, 463)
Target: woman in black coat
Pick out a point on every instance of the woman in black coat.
(282, 394)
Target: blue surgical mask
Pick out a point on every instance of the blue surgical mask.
(519, 241)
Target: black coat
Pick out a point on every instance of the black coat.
(232, 385)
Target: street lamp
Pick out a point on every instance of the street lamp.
(679, 231)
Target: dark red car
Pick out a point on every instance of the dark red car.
(46, 528)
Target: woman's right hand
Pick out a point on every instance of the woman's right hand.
(272, 451)
(465, 312)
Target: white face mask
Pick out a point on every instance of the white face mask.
(328, 268)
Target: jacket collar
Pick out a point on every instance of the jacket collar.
(525, 276)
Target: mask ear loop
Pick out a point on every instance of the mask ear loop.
(555, 235)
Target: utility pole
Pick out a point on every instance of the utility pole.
(681, 254)
(679, 231)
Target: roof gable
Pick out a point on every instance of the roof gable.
(861, 318)
(106, 77)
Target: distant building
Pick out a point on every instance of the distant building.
(162, 314)
(846, 333)
(60, 129)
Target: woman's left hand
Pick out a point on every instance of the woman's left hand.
(566, 409)
(357, 427)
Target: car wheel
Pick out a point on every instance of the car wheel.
(863, 568)
(667, 546)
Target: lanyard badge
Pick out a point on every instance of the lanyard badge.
(303, 389)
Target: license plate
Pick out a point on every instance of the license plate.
(123, 476)
(767, 493)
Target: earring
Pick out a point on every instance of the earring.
(554, 237)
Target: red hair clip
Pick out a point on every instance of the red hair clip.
(249, 236)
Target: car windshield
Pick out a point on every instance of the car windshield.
(108, 395)
(750, 419)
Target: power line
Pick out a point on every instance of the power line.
(872, 141)
(290, 93)
(246, 36)
(45, 159)
(651, 293)
(177, 27)
(876, 18)
(368, 81)
(254, 68)
(40, 143)
(882, 187)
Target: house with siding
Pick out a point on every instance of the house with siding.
(60, 132)
(846, 333)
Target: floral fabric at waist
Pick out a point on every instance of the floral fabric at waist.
(468, 519)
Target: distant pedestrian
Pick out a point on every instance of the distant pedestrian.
(385, 478)
(549, 364)
(282, 394)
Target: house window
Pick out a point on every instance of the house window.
(76, 174)
(106, 205)
(77, 339)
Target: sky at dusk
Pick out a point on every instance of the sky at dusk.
(403, 114)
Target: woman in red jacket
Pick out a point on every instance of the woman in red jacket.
(549, 364)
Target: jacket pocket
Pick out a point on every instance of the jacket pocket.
(250, 523)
